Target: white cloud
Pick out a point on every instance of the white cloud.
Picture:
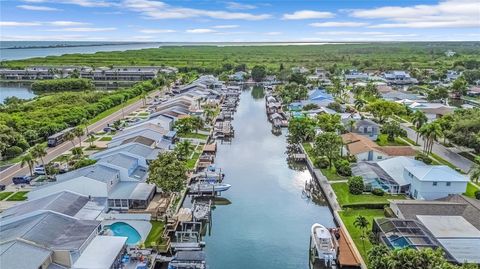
(84, 29)
(229, 26)
(308, 14)
(200, 31)
(338, 24)
(157, 31)
(160, 10)
(240, 6)
(82, 3)
(273, 33)
(18, 23)
(445, 14)
(37, 8)
(67, 23)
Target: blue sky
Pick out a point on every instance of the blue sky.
(240, 21)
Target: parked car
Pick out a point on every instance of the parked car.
(21, 180)
(39, 170)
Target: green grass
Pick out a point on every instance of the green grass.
(383, 141)
(11, 161)
(143, 114)
(331, 174)
(409, 140)
(194, 135)
(106, 138)
(348, 217)
(5, 194)
(439, 160)
(471, 189)
(345, 197)
(18, 196)
(192, 161)
(155, 235)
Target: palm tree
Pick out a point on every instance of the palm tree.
(475, 172)
(418, 119)
(38, 152)
(84, 122)
(430, 133)
(183, 149)
(209, 114)
(143, 95)
(91, 138)
(362, 223)
(27, 159)
(359, 104)
(351, 124)
(70, 136)
(78, 132)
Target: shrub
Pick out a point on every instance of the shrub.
(378, 192)
(424, 158)
(84, 162)
(343, 167)
(335, 106)
(310, 107)
(365, 205)
(355, 185)
(13, 151)
(477, 195)
(321, 162)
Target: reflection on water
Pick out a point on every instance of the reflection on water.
(267, 224)
(258, 92)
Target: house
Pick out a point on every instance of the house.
(238, 76)
(355, 75)
(365, 127)
(450, 53)
(399, 78)
(473, 91)
(319, 97)
(406, 175)
(452, 75)
(149, 137)
(295, 106)
(143, 153)
(432, 110)
(299, 70)
(398, 95)
(365, 149)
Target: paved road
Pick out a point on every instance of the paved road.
(14, 170)
(454, 158)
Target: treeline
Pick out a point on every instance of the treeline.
(63, 85)
(25, 123)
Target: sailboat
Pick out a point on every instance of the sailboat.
(325, 244)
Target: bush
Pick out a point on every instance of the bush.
(366, 205)
(13, 151)
(424, 158)
(335, 106)
(321, 162)
(378, 192)
(63, 85)
(310, 107)
(477, 195)
(84, 162)
(355, 185)
(343, 167)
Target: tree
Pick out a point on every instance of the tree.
(78, 132)
(301, 130)
(70, 136)
(362, 223)
(329, 122)
(168, 172)
(392, 129)
(77, 152)
(38, 152)
(430, 133)
(183, 149)
(351, 124)
(258, 73)
(91, 138)
(459, 87)
(209, 113)
(197, 123)
(382, 109)
(475, 172)
(356, 185)
(298, 78)
(292, 92)
(27, 159)
(328, 144)
(359, 104)
(418, 119)
(184, 125)
(84, 122)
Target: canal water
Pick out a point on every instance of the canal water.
(267, 225)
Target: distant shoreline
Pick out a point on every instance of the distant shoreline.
(76, 45)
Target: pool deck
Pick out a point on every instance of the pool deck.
(143, 227)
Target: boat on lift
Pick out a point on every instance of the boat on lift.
(325, 244)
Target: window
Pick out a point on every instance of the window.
(379, 157)
(410, 174)
(434, 183)
(449, 183)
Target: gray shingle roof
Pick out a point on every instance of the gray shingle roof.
(96, 171)
(18, 254)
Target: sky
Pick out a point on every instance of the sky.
(240, 21)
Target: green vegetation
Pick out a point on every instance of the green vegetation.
(63, 85)
(105, 138)
(193, 135)
(345, 198)
(349, 216)
(470, 192)
(18, 196)
(190, 164)
(154, 238)
(331, 174)
(382, 140)
(168, 172)
(5, 194)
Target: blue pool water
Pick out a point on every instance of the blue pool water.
(123, 229)
(399, 242)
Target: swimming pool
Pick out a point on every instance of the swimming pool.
(399, 242)
(124, 229)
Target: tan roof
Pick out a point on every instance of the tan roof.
(210, 147)
(140, 139)
(183, 116)
(384, 89)
(357, 143)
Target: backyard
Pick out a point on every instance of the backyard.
(471, 189)
(344, 197)
(154, 238)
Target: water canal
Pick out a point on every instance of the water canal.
(267, 224)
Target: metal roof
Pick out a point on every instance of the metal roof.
(96, 171)
(436, 173)
(18, 254)
(462, 250)
(449, 226)
(101, 252)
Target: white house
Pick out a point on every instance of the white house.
(431, 182)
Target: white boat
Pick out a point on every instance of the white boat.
(325, 243)
(206, 187)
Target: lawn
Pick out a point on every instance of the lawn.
(155, 235)
(383, 141)
(471, 189)
(143, 114)
(348, 217)
(409, 140)
(331, 174)
(192, 161)
(345, 197)
(106, 138)
(194, 135)
(18, 196)
(5, 194)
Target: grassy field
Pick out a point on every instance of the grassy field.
(155, 234)
(383, 141)
(192, 161)
(18, 196)
(331, 174)
(208, 58)
(5, 194)
(348, 217)
(471, 189)
(345, 197)
(194, 135)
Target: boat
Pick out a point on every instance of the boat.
(188, 260)
(208, 187)
(325, 244)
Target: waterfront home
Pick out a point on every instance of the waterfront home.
(365, 127)
(365, 149)
(355, 75)
(406, 175)
(452, 75)
(143, 153)
(432, 110)
(189, 87)
(165, 122)
(299, 70)
(399, 78)
(238, 76)
(11, 74)
(152, 138)
(399, 95)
